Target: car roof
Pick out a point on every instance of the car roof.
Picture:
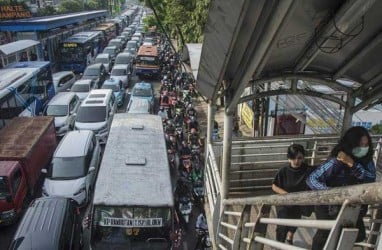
(83, 81)
(103, 55)
(122, 54)
(97, 97)
(111, 81)
(61, 74)
(79, 138)
(62, 98)
(110, 47)
(42, 223)
(115, 40)
(94, 66)
(120, 66)
(143, 85)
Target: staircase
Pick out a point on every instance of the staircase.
(247, 219)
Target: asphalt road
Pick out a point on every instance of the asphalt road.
(7, 232)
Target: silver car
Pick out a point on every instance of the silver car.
(63, 107)
(74, 167)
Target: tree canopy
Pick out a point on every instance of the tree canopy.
(187, 16)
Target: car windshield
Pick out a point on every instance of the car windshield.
(68, 167)
(131, 45)
(114, 43)
(91, 72)
(102, 60)
(4, 188)
(142, 92)
(91, 114)
(113, 87)
(80, 88)
(118, 72)
(109, 51)
(57, 110)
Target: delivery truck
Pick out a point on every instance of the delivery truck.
(27, 145)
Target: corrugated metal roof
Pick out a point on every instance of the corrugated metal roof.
(10, 48)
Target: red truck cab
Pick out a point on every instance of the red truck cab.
(27, 145)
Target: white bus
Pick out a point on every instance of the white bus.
(133, 200)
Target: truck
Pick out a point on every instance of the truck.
(27, 145)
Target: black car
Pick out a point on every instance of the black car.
(96, 72)
(49, 223)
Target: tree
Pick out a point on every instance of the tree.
(70, 6)
(46, 11)
(186, 16)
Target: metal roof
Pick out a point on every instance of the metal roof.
(10, 48)
(321, 41)
(134, 169)
(50, 22)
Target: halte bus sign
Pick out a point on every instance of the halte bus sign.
(14, 12)
(127, 223)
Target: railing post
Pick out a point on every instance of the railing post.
(227, 148)
(242, 231)
(313, 160)
(210, 122)
(259, 229)
(347, 217)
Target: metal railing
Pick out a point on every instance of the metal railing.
(254, 165)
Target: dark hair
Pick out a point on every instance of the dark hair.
(294, 149)
(351, 140)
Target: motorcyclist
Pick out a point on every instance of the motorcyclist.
(185, 151)
(162, 113)
(193, 137)
(201, 227)
(191, 111)
(197, 173)
(193, 123)
(170, 128)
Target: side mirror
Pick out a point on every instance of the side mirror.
(8, 198)
(44, 171)
(91, 169)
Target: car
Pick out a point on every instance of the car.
(139, 106)
(126, 59)
(124, 40)
(117, 43)
(73, 170)
(96, 113)
(63, 107)
(143, 90)
(95, 72)
(49, 223)
(82, 88)
(105, 59)
(137, 40)
(112, 51)
(117, 87)
(132, 45)
(127, 35)
(63, 80)
(132, 52)
(121, 72)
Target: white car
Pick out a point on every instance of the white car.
(105, 59)
(121, 72)
(82, 88)
(74, 167)
(63, 80)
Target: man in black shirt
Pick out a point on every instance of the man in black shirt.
(291, 179)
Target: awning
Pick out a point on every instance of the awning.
(10, 48)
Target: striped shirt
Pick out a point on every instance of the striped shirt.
(334, 173)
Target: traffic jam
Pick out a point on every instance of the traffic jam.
(59, 144)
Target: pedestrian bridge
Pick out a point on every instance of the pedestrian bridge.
(322, 49)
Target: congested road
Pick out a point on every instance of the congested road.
(7, 232)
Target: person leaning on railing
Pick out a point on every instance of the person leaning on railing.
(350, 163)
(291, 178)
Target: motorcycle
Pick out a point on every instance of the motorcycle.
(204, 241)
(198, 192)
(185, 207)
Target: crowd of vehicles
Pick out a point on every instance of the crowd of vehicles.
(133, 204)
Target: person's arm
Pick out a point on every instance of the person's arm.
(317, 179)
(278, 190)
(365, 173)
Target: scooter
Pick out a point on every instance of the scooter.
(204, 240)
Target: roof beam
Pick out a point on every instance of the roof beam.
(291, 92)
(358, 56)
(365, 87)
(306, 77)
(348, 13)
(259, 50)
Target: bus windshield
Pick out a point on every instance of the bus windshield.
(74, 54)
(147, 60)
(131, 227)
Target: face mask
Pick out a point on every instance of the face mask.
(360, 152)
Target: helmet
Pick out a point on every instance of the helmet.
(192, 118)
(169, 123)
(161, 108)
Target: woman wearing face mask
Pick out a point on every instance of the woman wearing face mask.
(350, 163)
(290, 179)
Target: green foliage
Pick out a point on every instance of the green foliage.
(46, 11)
(376, 129)
(92, 5)
(67, 6)
(189, 16)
